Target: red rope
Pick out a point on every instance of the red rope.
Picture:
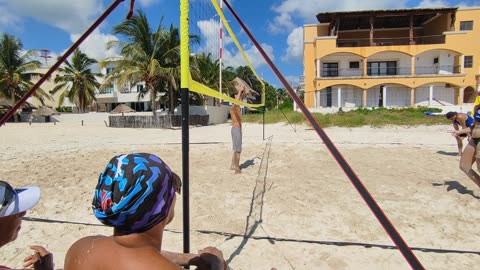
(64, 57)
(131, 10)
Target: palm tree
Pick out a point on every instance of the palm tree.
(149, 56)
(17, 71)
(206, 71)
(77, 81)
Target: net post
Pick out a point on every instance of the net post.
(264, 109)
(184, 85)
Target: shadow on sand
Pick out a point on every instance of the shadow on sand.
(248, 163)
(447, 153)
(454, 185)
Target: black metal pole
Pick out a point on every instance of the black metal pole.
(185, 170)
(264, 109)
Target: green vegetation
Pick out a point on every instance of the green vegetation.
(377, 117)
(76, 81)
(64, 109)
(17, 70)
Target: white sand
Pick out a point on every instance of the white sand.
(411, 172)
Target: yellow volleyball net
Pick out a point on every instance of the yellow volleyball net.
(212, 57)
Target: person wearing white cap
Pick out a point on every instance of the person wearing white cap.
(14, 204)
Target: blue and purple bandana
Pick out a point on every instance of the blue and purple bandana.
(135, 192)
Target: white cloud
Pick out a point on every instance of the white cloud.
(280, 23)
(70, 16)
(8, 20)
(445, 3)
(294, 46)
(432, 3)
(306, 10)
(73, 17)
(95, 45)
(210, 37)
(146, 3)
(233, 57)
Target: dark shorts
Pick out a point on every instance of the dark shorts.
(237, 139)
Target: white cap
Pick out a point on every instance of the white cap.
(14, 201)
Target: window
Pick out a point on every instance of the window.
(109, 70)
(435, 60)
(382, 68)
(466, 25)
(139, 87)
(330, 70)
(108, 90)
(468, 62)
(355, 64)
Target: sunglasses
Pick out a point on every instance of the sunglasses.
(7, 194)
(177, 183)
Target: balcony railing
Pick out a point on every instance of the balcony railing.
(106, 91)
(388, 71)
(365, 42)
(391, 71)
(339, 72)
(449, 69)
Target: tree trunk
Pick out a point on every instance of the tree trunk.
(153, 98)
(171, 96)
(171, 89)
(15, 116)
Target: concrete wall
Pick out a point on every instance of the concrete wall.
(217, 115)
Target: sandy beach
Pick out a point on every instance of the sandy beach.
(291, 208)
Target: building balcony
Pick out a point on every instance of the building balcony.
(399, 41)
(438, 70)
(333, 73)
(110, 92)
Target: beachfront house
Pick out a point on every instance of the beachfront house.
(114, 94)
(392, 58)
(107, 99)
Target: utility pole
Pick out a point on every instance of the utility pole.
(45, 54)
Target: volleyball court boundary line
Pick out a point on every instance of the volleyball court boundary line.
(268, 238)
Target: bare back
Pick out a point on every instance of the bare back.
(236, 116)
(102, 252)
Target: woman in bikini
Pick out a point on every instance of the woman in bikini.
(471, 153)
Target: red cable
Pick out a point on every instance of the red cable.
(131, 10)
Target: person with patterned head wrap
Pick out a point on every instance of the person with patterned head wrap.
(135, 195)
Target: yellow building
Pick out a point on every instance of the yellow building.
(392, 58)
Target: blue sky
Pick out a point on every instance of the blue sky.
(276, 24)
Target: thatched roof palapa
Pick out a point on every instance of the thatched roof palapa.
(122, 108)
(45, 111)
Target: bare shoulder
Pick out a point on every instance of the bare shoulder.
(85, 242)
(80, 251)
(91, 252)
